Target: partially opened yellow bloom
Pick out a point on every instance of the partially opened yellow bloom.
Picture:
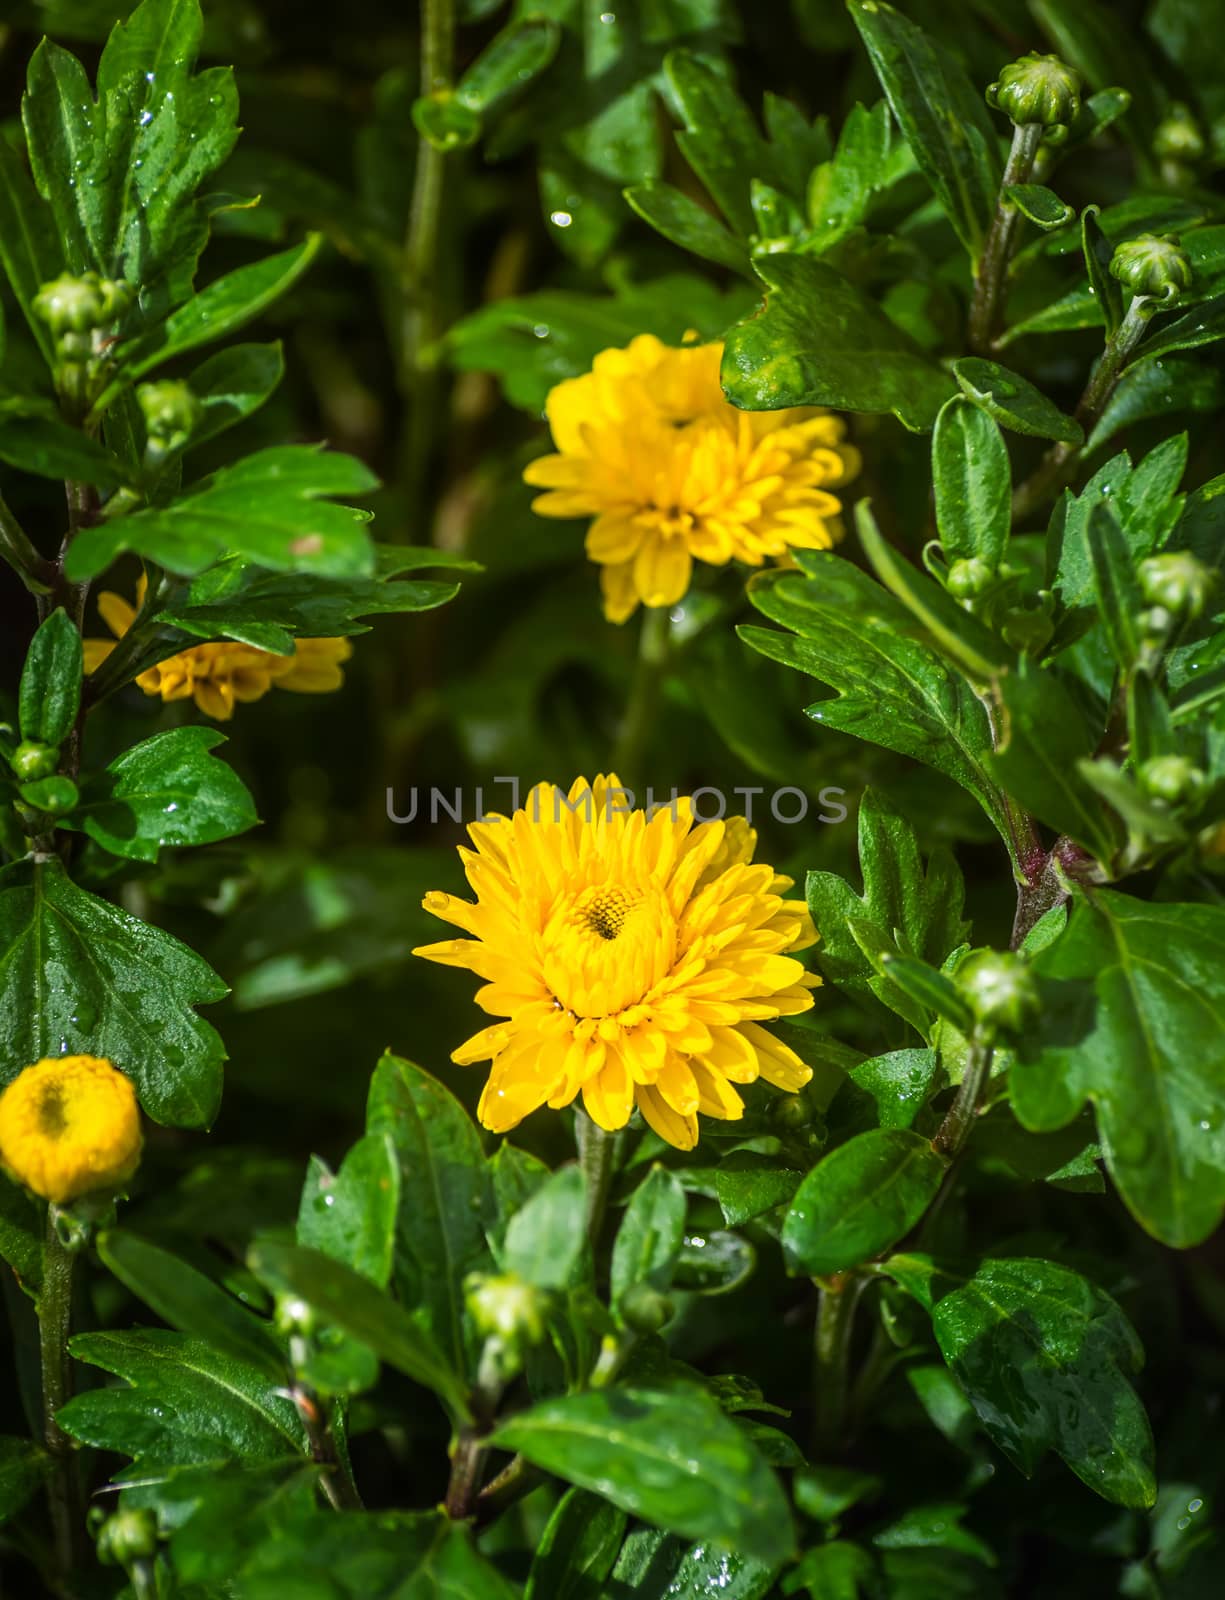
(633, 958)
(70, 1125)
(672, 473)
(219, 674)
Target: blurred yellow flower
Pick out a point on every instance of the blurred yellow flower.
(219, 674)
(70, 1125)
(672, 473)
(634, 959)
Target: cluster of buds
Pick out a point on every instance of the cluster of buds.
(1038, 91)
(171, 412)
(1176, 587)
(999, 989)
(126, 1537)
(1172, 781)
(509, 1314)
(82, 313)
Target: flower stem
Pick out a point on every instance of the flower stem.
(467, 1459)
(836, 1303)
(54, 1326)
(1001, 239)
(959, 1119)
(596, 1150)
(1057, 467)
(639, 718)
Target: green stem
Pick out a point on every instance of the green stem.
(54, 1326)
(639, 719)
(1058, 466)
(37, 574)
(836, 1303)
(467, 1459)
(959, 1119)
(421, 320)
(596, 1150)
(1001, 240)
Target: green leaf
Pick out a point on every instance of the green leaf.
(56, 794)
(187, 1405)
(21, 1235)
(1044, 1356)
(53, 449)
(891, 688)
(943, 116)
(30, 249)
(79, 976)
(900, 1083)
(686, 223)
(721, 141)
(1142, 500)
(23, 1467)
(545, 1241)
(973, 484)
(227, 304)
(190, 1302)
(1043, 735)
(1043, 208)
(115, 170)
(233, 384)
(648, 1242)
(577, 1550)
(659, 1566)
(1104, 287)
(1134, 1020)
(358, 1307)
(667, 1455)
(1014, 402)
(511, 59)
(834, 1571)
(870, 158)
(860, 1199)
(50, 694)
(748, 1184)
(1087, 34)
(1160, 388)
(445, 1196)
(819, 341)
(934, 1527)
(350, 1215)
(1119, 601)
(713, 1262)
(271, 508)
(167, 790)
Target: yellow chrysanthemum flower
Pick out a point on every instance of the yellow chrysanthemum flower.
(219, 674)
(634, 959)
(70, 1125)
(672, 473)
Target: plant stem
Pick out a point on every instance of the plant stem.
(596, 1150)
(464, 1486)
(836, 1303)
(1001, 239)
(639, 717)
(420, 324)
(517, 1478)
(54, 1326)
(959, 1119)
(1057, 467)
(1034, 899)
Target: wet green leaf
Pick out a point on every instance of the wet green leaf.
(52, 449)
(350, 1214)
(687, 224)
(899, 1082)
(1014, 402)
(233, 384)
(1045, 1357)
(79, 976)
(1042, 207)
(819, 341)
(511, 59)
(941, 113)
(21, 1235)
(1134, 1020)
(860, 1199)
(30, 250)
(669, 1456)
(973, 480)
(1099, 252)
(648, 1241)
(167, 790)
(50, 694)
(545, 1241)
(577, 1549)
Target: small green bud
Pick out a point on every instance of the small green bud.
(126, 1537)
(505, 1307)
(171, 411)
(1177, 582)
(294, 1316)
(1154, 265)
(31, 760)
(1178, 137)
(1176, 780)
(970, 578)
(75, 305)
(999, 988)
(1037, 89)
(644, 1309)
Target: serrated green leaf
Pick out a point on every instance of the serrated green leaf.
(1044, 1356)
(870, 157)
(1134, 1020)
(721, 141)
(942, 115)
(166, 791)
(860, 1199)
(973, 481)
(50, 693)
(820, 341)
(681, 219)
(271, 508)
(1014, 402)
(79, 976)
(187, 1404)
(669, 1456)
(445, 1197)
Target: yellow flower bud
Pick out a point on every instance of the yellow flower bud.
(70, 1125)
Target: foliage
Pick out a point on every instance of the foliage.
(947, 1319)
